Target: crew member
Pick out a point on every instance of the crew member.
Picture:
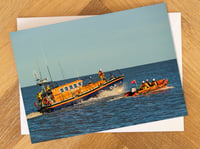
(147, 81)
(101, 75)
(39, 97)
(143, 86)
(154, 83)
(48, 90)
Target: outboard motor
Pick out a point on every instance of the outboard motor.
(133, 90)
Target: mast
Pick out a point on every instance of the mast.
(47, 65)
(61, 70)
(49, 73)
(40, 73)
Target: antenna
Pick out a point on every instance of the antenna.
(77, 74)
(46, 64)
(35, 75)
(61, 70)
(40, 73)
(49, 73)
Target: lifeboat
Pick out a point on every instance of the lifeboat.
(57, 97)
(160, 85)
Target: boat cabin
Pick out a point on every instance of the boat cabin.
(67, 90)
(71, 86)
(73, 89)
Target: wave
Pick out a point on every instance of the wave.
(118, 91)
(33, 115)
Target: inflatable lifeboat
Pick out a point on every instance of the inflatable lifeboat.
(160, 85)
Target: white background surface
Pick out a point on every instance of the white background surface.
(175, 124)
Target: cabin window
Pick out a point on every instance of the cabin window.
(75, 86)
(66, 88)
(61, 90)
(71, 87)
(79, 83)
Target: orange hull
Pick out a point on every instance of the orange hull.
(161, 84)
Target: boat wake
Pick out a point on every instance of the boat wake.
(33, 115)
(116, 92)
(116, 98)
(161, 90)
(110, 93)
(166, 88)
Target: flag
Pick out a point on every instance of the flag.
(132, 82)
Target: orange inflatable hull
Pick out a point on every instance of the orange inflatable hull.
(161, 84)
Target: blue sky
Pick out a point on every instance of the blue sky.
(111, 41)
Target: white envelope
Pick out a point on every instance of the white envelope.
(174, 124)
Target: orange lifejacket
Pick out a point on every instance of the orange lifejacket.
(39, 96)
(48, 88)
(148, 83)
(101, 73)
(154, 83)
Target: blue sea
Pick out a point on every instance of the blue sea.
(110, 109)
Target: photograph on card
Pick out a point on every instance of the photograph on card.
(98, 73)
